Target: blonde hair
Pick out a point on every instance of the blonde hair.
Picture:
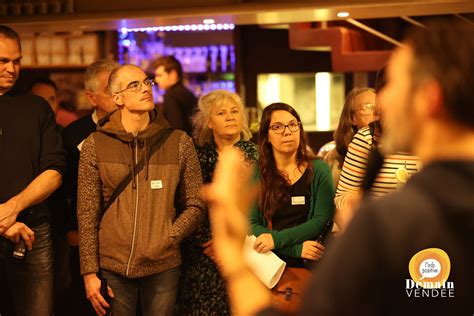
(202, 134)
(346, 130)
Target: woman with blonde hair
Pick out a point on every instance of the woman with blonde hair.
(219, 123)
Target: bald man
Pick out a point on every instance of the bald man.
(135, 243)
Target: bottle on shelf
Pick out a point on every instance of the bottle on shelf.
(223, 50)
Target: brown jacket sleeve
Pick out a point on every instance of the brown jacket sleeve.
(89, 200)
(190, 208)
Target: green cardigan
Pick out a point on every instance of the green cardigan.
(290, 241)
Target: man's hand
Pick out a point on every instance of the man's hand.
(264, 243)
(19, 230)
(312, 250)
(36, 192)
(229, 201)
(230, 196)
(92, 284)
(8, 215)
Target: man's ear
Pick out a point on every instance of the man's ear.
(118, 99)
(91, 98)
(173, 74)
(434, 99)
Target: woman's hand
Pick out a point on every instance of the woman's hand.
(264, 243)
(312, 250)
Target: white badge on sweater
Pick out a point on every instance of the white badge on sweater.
(79, 146)
(297, 200)
(156, 184)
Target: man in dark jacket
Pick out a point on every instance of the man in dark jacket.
(179, 103)
(95, 82)
(31, 167)
(411, 252)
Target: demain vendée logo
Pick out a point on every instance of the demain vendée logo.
(429, 270)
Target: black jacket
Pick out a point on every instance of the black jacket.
(178, 106)
(30, 143)
(73, 135)
(365, 271)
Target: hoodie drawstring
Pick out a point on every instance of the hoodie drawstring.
(146, 160)
(136, 144)
(134, 183)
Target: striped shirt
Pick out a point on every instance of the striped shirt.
(355, 165)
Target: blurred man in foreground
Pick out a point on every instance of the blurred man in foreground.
(408, 253)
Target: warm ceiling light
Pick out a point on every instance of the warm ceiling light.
(342, 14)
(208, 21)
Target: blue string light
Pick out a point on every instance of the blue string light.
(181, 28)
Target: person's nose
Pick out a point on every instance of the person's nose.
(229, 117)
(9, 67)
(145, 88)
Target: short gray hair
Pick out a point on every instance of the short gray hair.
(93, 70)
(202, 134)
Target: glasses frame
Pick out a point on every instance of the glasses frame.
(151, 83)
(298, 124)
(367, 106)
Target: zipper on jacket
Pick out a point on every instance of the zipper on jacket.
(135, 143)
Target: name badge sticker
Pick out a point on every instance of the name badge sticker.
(297, 200)
(79, 146)
(156, 184)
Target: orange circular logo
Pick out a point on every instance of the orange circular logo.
(430, 267)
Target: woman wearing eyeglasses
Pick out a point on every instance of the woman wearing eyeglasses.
(365, 170)
(358, 111)
(297, 193)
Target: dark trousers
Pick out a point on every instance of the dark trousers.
(157, 293)
(29, 282)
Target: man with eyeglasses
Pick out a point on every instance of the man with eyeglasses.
(409, 253)
(130, 230)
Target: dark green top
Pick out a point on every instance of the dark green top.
(290, 241)
(202, 290)
(208, 156)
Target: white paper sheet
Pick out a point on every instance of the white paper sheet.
(266, 266)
